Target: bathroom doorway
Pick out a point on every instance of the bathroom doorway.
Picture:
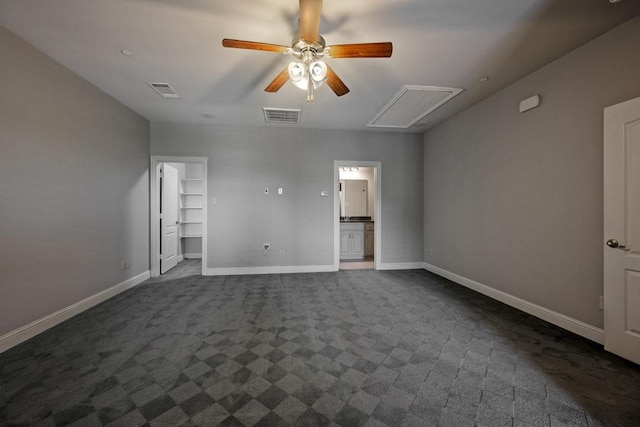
(357, 210)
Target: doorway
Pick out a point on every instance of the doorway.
(178, 214)
(357, 215)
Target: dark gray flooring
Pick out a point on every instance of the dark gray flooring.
(352, 348)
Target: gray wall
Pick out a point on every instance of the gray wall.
(514, 201)
(243, 161)
(73, 187)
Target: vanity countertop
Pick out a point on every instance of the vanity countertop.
(350, 219)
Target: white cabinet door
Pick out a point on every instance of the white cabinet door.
(345, 243)
(357, 244)
(622, 229)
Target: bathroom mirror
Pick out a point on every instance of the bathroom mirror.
(353, 197)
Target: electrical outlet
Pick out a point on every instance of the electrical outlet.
(266, 246)
(266, 190)
(280, 190)
(126, 265)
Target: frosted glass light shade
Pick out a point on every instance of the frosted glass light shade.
(318, 71)
(297, 71)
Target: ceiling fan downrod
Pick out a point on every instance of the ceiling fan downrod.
(310, 91)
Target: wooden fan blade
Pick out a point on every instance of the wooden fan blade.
(310, 15)
(335, 83)
(361, 50)
(243, 44)
(278, 82)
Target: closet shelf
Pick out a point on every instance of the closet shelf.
(191, 202)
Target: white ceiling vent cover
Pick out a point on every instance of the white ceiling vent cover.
(281, 115)
(165, 90)
(411, 104)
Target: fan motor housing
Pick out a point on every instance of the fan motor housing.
(299, 46)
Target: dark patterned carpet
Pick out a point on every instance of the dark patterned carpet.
(352, 348)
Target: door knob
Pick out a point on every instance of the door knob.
(613, 243)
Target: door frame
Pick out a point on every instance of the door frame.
(154, 202)
(377, 225)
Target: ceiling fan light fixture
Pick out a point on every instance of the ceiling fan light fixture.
(297, 71)
(299, 74)
(318, 71)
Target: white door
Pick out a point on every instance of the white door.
(169, 218)
(622, 229)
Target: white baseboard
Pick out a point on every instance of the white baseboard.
(401, 266)
(26, 332)
(565, 322)
(193, 256)
(235, 271)
(238, 271)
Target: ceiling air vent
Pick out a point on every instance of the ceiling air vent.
(165, 90)
(281, 115)
(411, 104)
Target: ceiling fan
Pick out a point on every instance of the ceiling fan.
(309, 71)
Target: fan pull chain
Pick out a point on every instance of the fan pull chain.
(310, 90)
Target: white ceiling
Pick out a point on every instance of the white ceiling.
(449, 43)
